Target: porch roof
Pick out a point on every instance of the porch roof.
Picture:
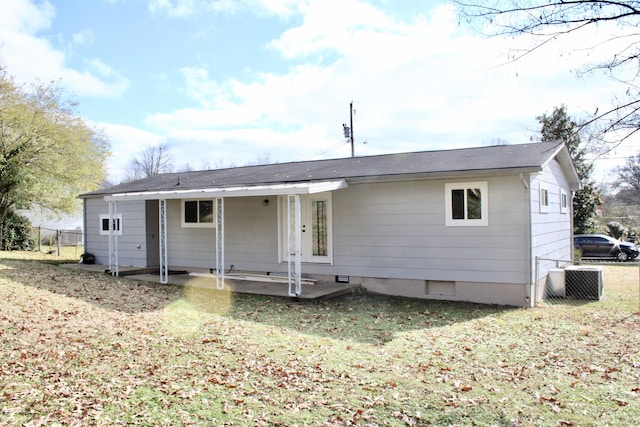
(244, 191)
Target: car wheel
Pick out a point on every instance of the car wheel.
(622, 256)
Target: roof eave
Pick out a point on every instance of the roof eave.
(564, 158)
(445, 174)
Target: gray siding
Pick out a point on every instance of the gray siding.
(131, 244)
(551, 231)
(188, 247)
(397, 230)
(250, 237)
(385, 230)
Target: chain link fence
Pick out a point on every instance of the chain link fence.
(69, 243)
(580, 282)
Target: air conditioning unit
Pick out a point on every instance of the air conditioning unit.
(584, 282)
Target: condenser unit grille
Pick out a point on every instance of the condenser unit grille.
(585, 283)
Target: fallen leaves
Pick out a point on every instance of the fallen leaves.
(86, 349)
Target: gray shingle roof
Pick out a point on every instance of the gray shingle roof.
(399, 165)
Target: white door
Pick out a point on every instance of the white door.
(316, 235)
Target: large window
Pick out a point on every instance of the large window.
(466, 204)
(116, 224)
(197, 213)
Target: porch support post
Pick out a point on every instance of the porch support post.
(162, 233)
(113, 238)
(219, 208)
(294, 243)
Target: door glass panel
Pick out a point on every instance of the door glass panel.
(319, 227)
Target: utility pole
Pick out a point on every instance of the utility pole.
(353, 154)
(348, 130)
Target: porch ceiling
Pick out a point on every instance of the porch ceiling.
(240, 191)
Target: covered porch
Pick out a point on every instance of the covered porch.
(289, 248)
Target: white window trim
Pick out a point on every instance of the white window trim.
(544, 191)
(564, 202)
(484, 204)
(106, 232)
(198, 224)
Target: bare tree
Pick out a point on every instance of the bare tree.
(628, 181)
(186, 168)
(153, 160)
(261, 159)
(547, 20)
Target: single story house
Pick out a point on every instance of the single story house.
(461, 224)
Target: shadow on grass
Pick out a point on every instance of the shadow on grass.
(363, 317)
(100, 289)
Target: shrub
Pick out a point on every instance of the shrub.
(616, 230)
(577, 255)
(16, 233)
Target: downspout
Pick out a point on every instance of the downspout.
(529, 273)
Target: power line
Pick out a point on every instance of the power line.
(322, 152)
(610, 158)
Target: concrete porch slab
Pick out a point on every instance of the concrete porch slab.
(314, 292)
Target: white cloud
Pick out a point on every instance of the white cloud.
(125, 140)
(82, 38)
(22, 15)
(281, 8)
(97, 79)
(29, 56)
(417, 85)
(405, 75)
(331, 25)
(176, 8)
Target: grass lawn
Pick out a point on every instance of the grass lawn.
(81, 348)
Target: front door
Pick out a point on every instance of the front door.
(153, 240)
(315, 218)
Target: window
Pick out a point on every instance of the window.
(319, 227)
(544, 199)
(564, 202)
(197, 213)
(466, 204)
(104, 224)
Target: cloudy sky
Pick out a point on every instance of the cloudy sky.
(226, 82)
